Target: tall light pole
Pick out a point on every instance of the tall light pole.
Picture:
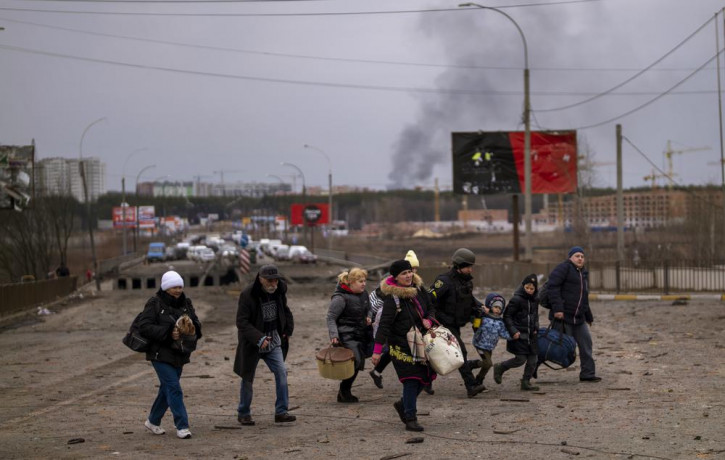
(123, 195)
(88, 202)
(304, 194)
(527, 131)
(135, 233)
(329, 184)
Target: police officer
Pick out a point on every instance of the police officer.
(455, 306)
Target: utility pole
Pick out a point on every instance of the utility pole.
(620, 198)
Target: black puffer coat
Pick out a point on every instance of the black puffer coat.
(568, 290)
(157, 323)
(522, 315)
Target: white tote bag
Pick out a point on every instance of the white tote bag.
(442, 349)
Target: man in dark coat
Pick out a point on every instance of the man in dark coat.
(568, 290)
(264, 325)
(452, 293)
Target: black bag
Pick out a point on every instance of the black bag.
(134, 340)
(555, 346)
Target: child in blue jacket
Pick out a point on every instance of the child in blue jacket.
(486, 337)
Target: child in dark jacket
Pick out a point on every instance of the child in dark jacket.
(521, 318)
(492, 328)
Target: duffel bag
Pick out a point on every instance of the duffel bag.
(555, 346)
(337, 363)
(442, 350)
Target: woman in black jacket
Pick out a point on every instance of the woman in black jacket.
(169, 350)
(521, 318)
(348, 323)
(404, 306)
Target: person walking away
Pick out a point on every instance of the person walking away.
(406, 308)
(264, 325)
(348, 323)
(455, 305)
(376, 309)
(521, 318)
(568, 289)
(491, 329)
(158, 324)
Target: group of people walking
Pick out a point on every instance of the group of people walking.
(376, 325)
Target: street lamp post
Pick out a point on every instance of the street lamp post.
(135, 233)
(527, 131)
(329, 195)
(304, 197)
(82, 171)
(123, 195)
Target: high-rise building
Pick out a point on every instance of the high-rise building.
(57, 176)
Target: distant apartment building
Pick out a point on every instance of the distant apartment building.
(59, 176)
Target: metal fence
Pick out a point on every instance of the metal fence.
(19, 296)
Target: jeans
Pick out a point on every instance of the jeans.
(519, 360)
(170, 396)
(411, 390)
(583, 338)
(275, 363)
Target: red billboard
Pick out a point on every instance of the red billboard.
(486, 163)
(311, 215)
(130, 217)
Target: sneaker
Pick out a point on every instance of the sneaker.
(245, 420)
(155, 429)
(377, 379)
(183, 433)
(497, 373)
(284, 418)
(590, 379)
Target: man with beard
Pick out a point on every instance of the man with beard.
(452, 293)
(264, 325)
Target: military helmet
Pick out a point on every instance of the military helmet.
(464, 257)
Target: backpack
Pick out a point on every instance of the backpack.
(544, 300)
(133, 339)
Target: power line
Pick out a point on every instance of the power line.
(633, 76)
(338, 59)
(466, 92)
(661, 95)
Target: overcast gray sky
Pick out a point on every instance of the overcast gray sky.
(377, 85)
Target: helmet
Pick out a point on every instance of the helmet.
(463, 256)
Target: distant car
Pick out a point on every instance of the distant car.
(205, 255)
(170, 253)
(156, 252)
(305, 257)
(282, 253)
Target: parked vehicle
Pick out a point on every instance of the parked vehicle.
(295, 249)
(156, 252)
(206, 255)
(305, 257)
(282, 252)
(193, 252)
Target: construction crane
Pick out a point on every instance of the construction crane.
(668, 155)
(653, 177)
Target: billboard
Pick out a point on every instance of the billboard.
(146, 217)
(311, 215)
(16, 176)
(118, 216)
(487, 163)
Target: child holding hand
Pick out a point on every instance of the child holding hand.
(491, 329)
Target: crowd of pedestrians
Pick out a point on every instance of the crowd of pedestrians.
(375, 325)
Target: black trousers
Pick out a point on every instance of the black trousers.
(466, 373)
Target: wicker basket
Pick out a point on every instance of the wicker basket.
(336, 363)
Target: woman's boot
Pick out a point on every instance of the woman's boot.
(411, 424)
(527, 386)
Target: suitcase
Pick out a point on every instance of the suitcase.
(555, 346)
(336, 363)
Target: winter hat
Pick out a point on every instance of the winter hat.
(494, 300)
(531, 279)
(412, 258)
(399, 266)
(171, 279)
(574, 250)
(269, 272)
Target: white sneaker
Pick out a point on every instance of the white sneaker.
(155, 429)
(184, 433)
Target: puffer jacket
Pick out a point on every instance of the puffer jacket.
(346, 317)
(522, 315)
(568, 290)
(157, 322)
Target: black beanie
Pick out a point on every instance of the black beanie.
(531, 279)
(399, 266)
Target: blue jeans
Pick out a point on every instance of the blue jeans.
(275, 363)
(411, 390)
(170, 396)
(583, 338)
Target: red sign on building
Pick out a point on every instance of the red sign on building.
(311, 215)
